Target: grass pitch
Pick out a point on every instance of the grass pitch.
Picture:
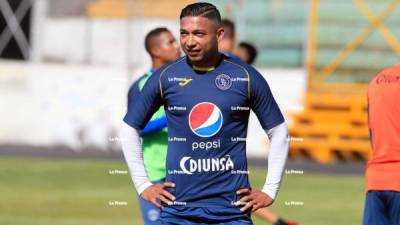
(37, 191)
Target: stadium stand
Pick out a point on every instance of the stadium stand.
(344, 52)
(129, 8)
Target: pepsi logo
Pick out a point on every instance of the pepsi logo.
(205, 119)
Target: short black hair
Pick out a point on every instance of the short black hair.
(251, 50)
(229, 28)
(203, 9)
(148, 41)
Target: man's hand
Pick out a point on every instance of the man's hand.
(252, 199)
(157, 192)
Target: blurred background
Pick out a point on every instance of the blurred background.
(66, 66)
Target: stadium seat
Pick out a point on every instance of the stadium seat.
(332, 127)
(136, 8)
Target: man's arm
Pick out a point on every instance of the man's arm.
(132, 149)
(278, 151)
(268, 113)
(159, 120)
(133, 153)
(277, 155)
(271, 119)
(139, 113)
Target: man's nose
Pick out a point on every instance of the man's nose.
(190, 42)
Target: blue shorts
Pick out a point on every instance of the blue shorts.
(382, 208)
(197, 215)
(150, 213)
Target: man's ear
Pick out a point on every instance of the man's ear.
(155, 51)
(220, 34)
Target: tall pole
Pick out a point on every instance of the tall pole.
(38, 23)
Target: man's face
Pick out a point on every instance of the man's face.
(199, 37)
(167, 49)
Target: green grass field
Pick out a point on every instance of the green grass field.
(77, 192)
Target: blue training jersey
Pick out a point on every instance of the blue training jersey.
(207, 113)
(157, 122)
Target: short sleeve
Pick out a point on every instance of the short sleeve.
(134, 92)
(147, 102)
(262, 101)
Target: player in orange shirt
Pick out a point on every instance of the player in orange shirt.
(382, 205)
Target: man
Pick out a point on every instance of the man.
(246, 52)
(162, 47)
(207, 97)
(382, 205)
(227, 44)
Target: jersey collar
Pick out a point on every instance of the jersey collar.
(203, 69)
(208, 69)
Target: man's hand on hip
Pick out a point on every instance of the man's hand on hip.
(157, 192)
(253, 199)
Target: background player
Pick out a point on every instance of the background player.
(227, 44)
(200, 33)
(246, 52)
(382, 204)
(162, 48)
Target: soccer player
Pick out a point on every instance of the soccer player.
(382, 204)
(246, 52)
(227, 43)
(207, 97)
(162, 48)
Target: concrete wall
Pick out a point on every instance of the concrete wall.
(82, 106)
(110, 42)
